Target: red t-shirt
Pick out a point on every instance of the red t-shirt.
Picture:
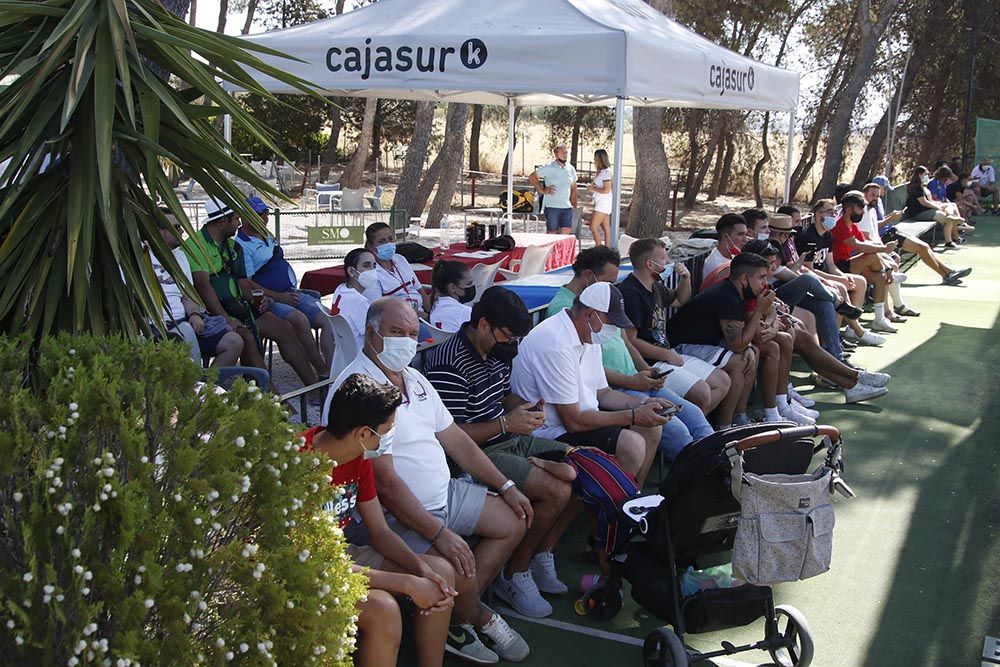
(844, 230)
(355, 481)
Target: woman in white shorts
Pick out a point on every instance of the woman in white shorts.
(600, 219)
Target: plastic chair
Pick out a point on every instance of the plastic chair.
(352, 199)
(531, 264)
(430, 337)
(483, 276)
(576, 225)
(375, 201)
(325, 195)
(346, 349)
(624, 243)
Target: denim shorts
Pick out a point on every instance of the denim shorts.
(309, 305)
(558, 218)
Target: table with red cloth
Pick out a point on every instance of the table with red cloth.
(325, 281)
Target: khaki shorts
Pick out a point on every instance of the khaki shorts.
(511, 456)
(465, 506)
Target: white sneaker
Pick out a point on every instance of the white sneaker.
(504, 639)
(464, 643)
(899, 277)
(803, 410)
(791, 415)
(862, 392)
(799, 398)
(870, 338)
(883, 325)
(543, 571)
(521, 593)
(874, 379)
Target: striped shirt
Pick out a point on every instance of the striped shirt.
(470, 386)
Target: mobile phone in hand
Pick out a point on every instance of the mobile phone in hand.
(671, 411)
(656, 373)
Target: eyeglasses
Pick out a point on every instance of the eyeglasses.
(511, 338)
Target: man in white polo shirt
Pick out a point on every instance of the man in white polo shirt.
(560, 363)
(559, 190)
(429, 510)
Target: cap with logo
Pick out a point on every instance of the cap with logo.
(215, 209)
(605, 298)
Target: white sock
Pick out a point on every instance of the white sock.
(771, 414)
(879, 311)
(782, 401)
(897, 298)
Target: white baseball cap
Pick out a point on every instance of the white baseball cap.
(605, 298)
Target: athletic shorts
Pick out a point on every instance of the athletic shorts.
(558, 218)
(680, 379)
(715, 356)
(465, 505)
(511, 456)
(604, 438)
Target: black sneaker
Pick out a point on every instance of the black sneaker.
(847, 344)
(961, 273)
(952, 278)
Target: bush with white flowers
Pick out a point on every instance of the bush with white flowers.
(145, 522)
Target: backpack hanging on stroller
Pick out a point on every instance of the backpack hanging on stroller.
(696, 520)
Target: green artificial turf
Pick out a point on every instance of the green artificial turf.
(916, 567)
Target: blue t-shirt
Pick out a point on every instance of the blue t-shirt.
(560, 177)
(279, 276)
(938, 189)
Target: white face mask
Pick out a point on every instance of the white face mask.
(763, 236)
(397, 351)
(384, 443)
(925, 179)
(368, 279)
(607, 334)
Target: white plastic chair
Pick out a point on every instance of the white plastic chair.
(352, 199)
(483, 276)
(324, 196)
(531, 264)
(437, 336)
(346, 349)
(624, 243)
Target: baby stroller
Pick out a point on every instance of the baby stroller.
(693, 522)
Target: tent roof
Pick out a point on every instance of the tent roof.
(536, 52)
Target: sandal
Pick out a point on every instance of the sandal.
(906, 311)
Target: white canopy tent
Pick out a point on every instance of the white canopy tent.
(529, 52)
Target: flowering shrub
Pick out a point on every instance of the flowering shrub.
(145, 522)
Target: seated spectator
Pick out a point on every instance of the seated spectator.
(268, 270)
(453, 292)
(938, 185)
(471, 372)
(907, 243)
(219, 272)
(353, 296)
(984, 178)
(921, 206)
(361, 426)
(704, 381)
(732, 232)
(624, 367)
(395, 275)
(963, 195)
(792, 211)
(429, 510)
(756, 224)
(209, 336)
(559, 363)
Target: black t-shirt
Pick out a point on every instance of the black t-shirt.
(698, 321)
(954, 190)
(913, 193)
(823, 244)
(648, 309)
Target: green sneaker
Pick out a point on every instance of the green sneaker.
(464, 643)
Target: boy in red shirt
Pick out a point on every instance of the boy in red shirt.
(361, 425)
(853, 254)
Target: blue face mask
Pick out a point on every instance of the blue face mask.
(384, 443)
(829, 222)
(386, 251)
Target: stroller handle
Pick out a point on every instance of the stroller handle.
(777, 434)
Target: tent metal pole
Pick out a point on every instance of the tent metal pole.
(510, 164)
(788, 156)
(227, 128)
(616, 190)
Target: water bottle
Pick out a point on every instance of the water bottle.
(445, 232)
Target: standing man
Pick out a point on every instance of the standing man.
(559, 189)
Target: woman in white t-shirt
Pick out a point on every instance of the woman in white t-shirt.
(351, 298)
(600, 219)
(453, 289)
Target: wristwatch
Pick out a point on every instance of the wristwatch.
(506, 486)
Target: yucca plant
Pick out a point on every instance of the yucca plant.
(86, 117)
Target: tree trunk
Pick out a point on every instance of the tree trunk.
(223, 16)
(649, 211)
(691, 196)
(841, 123)
(765, 157)
(339, 7)
(354, 173)
(727, 164)
(451, 163)
(409, 179)
(193, 15)
(251, 10)
(694, 147)
(503, 171)
(376, 154)
(329, 156)
(477, 125)
(575, 140)
(720, 156)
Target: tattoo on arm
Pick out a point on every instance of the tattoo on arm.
(732, 330)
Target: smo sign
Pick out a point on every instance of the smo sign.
(364, 60)
(732, 79)
(353, 235)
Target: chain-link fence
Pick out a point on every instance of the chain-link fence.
(321, 234)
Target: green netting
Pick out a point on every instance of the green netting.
(987, 139)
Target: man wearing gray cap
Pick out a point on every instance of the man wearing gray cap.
(559, 365)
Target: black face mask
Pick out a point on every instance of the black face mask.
(748, 293)
(856, 217)
(504, 352)
(468, 294)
